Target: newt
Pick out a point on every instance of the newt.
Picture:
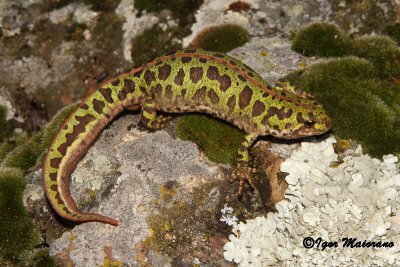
(191, 80)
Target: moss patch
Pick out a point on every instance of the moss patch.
(178, 8)
(102, 5)
(107, 35)
(219, 140)
(361, 106)
(163, 37)
(394, 32)
(222, 38)
(25, 155)
(98, 5)
(3, 122)
(11, 143)
(152, 43)
(321, 39)
(18, 234)
(42, 259)
(52, 127)
(75, 32)
(325, 40)
(382, 51)
(61, 3)
(28, 153)
(168, 190)
(361, 92)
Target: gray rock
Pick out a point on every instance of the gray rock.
(125, 169)
(272, 57)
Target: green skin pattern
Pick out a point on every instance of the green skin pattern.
(192, 80)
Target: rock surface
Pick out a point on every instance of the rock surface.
(126, 169)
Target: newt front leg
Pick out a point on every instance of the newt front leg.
(243, 172)
(149, 117)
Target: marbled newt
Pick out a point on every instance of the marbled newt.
(185, 81)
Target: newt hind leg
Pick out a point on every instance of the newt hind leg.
(243, 171)
(149, 117)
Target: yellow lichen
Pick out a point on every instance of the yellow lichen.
(168, 191)
(341, 146)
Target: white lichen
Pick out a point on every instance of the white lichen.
(227, 216)
(357, 200)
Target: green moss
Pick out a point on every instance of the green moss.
(97, 5)
(219, 140)
(42, 259)
(168, 190)
(61, 3)
(178, 8)
(321, 39)
(27, 154)
(222, 38)
(152, 43)
(362, 107)
(168, 224)
(52, 127)
(158, 40)
(11, 143)
(382, 51)
(107, 35)
(18, 234)
(75, 32)
(3, 122)
(102, 5)
(325, 40)
(394, 32)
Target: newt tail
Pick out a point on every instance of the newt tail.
(72, 142)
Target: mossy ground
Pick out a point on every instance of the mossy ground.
(25, 155)
(381, 51)
(178, 8)
(163, 37)
(393, 31)
(42, 259)
(28, 153)
(321, 39)
(97, 5)
(18, 234)
(152, 43)
(222, 38)
(360, 91)
(3, 122)
(219, 140)
(11, 143)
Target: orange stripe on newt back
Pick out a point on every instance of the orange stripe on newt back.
(239, 71)
(210, 57)
(218, 60)
(234, 68)
(122, 75)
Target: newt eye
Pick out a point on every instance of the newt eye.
(309, 123)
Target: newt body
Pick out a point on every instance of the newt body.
(183, 81)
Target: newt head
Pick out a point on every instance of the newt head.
(296, 117)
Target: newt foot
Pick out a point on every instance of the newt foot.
(243, 172)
